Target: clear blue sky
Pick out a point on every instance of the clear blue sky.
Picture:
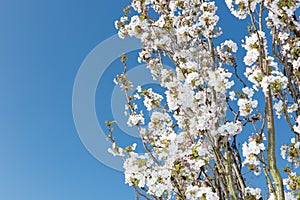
(42, 45)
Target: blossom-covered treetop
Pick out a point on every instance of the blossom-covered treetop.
(208, 105)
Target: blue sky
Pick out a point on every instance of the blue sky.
(42, 45)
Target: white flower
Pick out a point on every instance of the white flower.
(135, 119)
(248, 91)
(251, 57)
(195, 192)
(232, 95)
(115, 150)
(231, 45)
(297, 127)
(250, 151)
(230, 128)
(283, 150)
(278, 107)
(139, 88)
(292, 108)
(246, 106)
(296, 64)
(193, 78)
(255, 192)
(219, 79)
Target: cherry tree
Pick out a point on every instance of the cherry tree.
(208, 106)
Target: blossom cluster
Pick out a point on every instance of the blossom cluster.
(292, 182)
(151, 99)
(240, 8)
(246, 103)
(275, 82)
(251, 152)
(291, 152)
(189, 138)
(253, 193)
(230, 129)
(252, 44)
(196, 192)
(225, 52)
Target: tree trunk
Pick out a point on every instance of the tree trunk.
(271, 149)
